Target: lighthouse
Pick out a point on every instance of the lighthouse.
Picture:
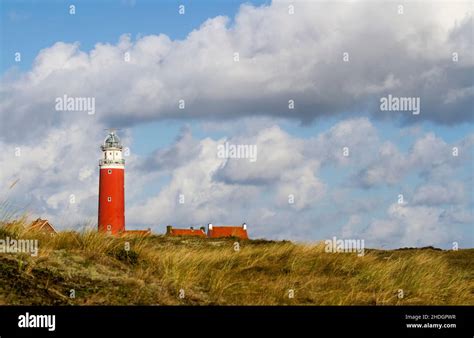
(112, 187)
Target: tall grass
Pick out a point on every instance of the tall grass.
(161, 270)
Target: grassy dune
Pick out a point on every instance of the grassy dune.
(173, 271)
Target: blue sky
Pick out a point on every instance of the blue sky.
(193, 59)
(29, 26)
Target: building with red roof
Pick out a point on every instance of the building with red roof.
(227, 231)
(170, 231)
(43, 225)
(139, 233)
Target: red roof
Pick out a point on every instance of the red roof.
(43, 225)
(137, 232)
(187, 232)
(228, 231)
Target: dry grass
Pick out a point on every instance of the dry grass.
(156, 268)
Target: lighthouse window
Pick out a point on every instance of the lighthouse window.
(109, 171)
(109, 199)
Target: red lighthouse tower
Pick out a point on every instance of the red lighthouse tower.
(112, 187)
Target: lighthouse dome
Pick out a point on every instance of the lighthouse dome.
(112, 141)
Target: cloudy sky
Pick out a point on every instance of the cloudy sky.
(301, 80)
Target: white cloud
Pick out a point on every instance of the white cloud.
(285, 175)
(414, 225)
(429, 156)
(277, 155)
(389, 166)
(358, 135)
(451, 192)
(232, 191)
(282, 57)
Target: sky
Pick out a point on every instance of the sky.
(302, 81)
